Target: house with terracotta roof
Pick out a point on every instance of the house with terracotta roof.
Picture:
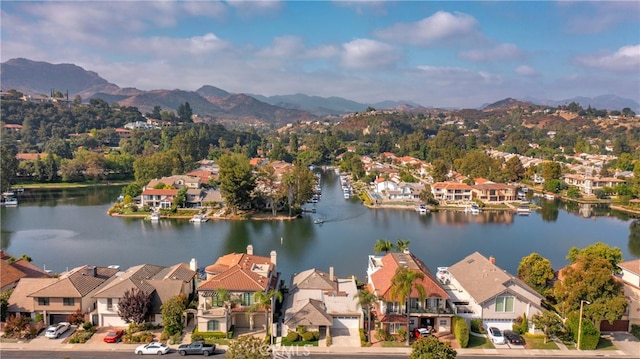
(158, 198)
(452, 191)
(482, 290)
(490, 192)
(56, 298)
(321, 301)
(11, 271)
(241, 275)
(435, 311)
(159, 282)
(630, 277)
(588, 184)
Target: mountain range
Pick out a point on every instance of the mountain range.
(38, 78)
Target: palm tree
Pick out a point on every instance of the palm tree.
(403, 282)
(402, 244)
(367, 300)
(263, 301)
(383, 245)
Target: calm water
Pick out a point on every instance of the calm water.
(66, 228)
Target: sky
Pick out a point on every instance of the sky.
(442, 54)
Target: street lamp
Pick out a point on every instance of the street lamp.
(580, 321)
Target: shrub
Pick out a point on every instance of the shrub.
(76, 318)
(635, 330)
(176, 339)
(301, 329)
(461, 331)
(198, 336)
(590, 334)
(310, 336)
(328, 340)
(382, 335)
(477, 327)
(38, 318)
(293, 336)
(87, 325)
(401, 336)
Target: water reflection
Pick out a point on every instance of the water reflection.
(634, 238)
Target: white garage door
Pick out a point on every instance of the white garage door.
(346, 323)
(112, 321)
(502, 324)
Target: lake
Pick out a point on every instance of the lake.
(62, 229)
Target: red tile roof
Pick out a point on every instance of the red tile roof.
(9, 274)
(239, 272)
(160, 192)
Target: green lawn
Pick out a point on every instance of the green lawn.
(391, 343)
(476, 342)
(537, 342)
(605, 344)
(286, 343)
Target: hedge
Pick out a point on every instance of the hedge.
(590, 334)
(461, 331)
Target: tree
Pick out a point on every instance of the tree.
(536, 271)
(299, 183)
(513, 169)
(134, 306)
(185, 112)
(598, 249)
(403, 284)
(402, 244)
(172, 311)
(591, 278)
(551, 170)
(383, 245)
(236, 180)
(549, 322)
(431, 348)
(367, 301)
(248, 347)
(264, 301)
(8, 167)
(439, 170)
(4, 303)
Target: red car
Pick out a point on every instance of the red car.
(113, 336)
(421, 332)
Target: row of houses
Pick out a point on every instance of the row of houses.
(473, 288)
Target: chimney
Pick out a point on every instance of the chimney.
(492, 259)
(274, 257)
(331, 274)
(406, 251)
(193, 265)
(90, 271)
(250, 249)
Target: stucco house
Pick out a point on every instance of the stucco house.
(321, 301)
(435, 311)
(482, 290)
(630, 277)
(241, 276)
(490, 192)
(452, 191)
(158, 198)
(160, 283)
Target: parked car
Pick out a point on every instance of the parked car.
(152, 348)
(197, 348)
(54, 331)
(513, 337)
(113, 336)
(421, 332)
(496, 336)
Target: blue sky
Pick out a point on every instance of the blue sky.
(449, 54)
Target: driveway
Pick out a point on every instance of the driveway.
(345, 338)
(625, 341)
(43, 342)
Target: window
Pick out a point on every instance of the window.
(505, 304)
(247, 299)
(109, 304)
(43, 301)
(393, 307)
(394, 327)
(217, 301)
(213, 326)
(443, 323)
(68, 302)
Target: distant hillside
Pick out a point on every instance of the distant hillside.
(506, 103)
(211, 91)
(38, 78)
(319, 106)
(603, 102)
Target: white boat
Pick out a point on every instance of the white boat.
(9, 199)
(473, 209)
(318, 221)
(198, 218)
(523, 209)
(549, 196)
(422, 209)
(346, 194)
(154, 217)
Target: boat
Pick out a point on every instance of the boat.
(523, 209)
(346, 192)
(9, 199)
(198, 218)
(422, 209)
(153, 217)
(549, 196)
(318, 220)
(473, 209)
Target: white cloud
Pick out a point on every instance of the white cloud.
(525, 70)
(364, 7)
(432, 30)
(625, 59)
(284, 46)
(250, 8)
(168, 48)
(499, 52)
(368, 54)
(594, 17)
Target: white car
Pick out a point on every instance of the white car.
(54, 331)
(152, 348)
(496, 336)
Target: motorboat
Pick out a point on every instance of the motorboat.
(346, 192)
(199, 218)
(422, 209)
(154, 217)
(549, 196)
(9, 199)
(473, 209)
(523, 209)
(318, 220)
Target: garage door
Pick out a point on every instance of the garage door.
(502, 324)
(112, 321)
(241, 320)
(616, 326)
(57, 318)
(346, 322)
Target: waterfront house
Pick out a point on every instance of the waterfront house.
(177, 181)
(630, 278)
(158, 282)
(241, 276)
(588, 184)
(490, 192)
(482, 290)
(158, 198)
(321, 301)
(452, 191)
(56, 298)
(11, 271)
(435, 311)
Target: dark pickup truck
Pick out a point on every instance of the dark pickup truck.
(198, 348)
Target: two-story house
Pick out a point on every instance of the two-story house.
(56, 298)
(158, 198)
(158, 282)
(630, 277)
(434, 312)
(490, 192)
(241, 276)
(482, 290)
(321, 301)
(452, 191)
